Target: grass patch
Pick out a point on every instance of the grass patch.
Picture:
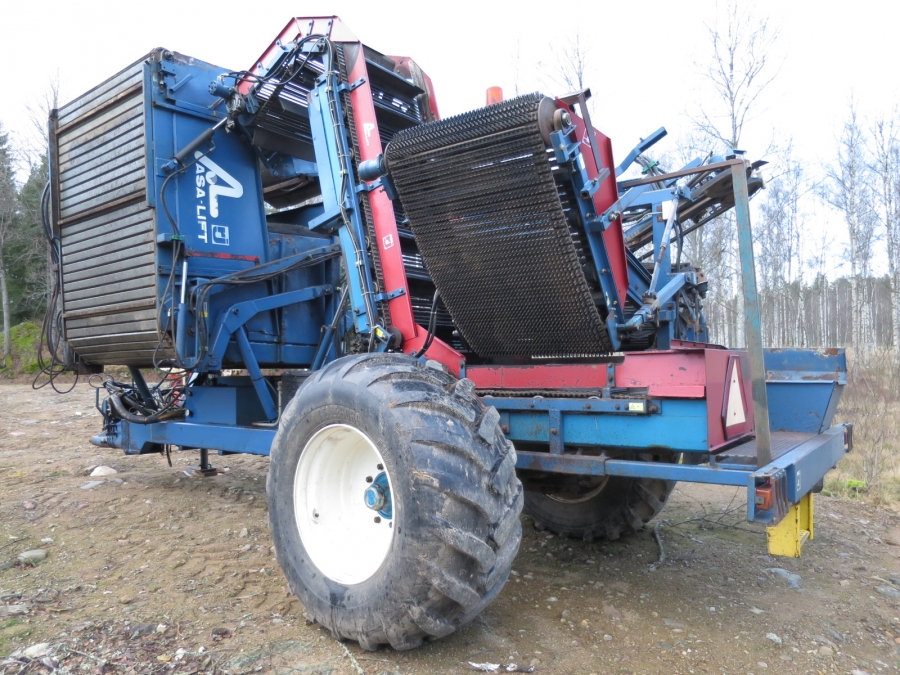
(871, 402)
(24, 345)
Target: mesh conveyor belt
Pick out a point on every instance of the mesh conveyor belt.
(482, 202)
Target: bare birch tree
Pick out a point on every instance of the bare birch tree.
(568, 66)
(847, 189)
(886, 167)
(777, 231)
(738, 68)
(36, 142)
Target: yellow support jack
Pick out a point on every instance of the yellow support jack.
(788, 537)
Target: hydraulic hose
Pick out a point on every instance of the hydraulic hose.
(115, 401)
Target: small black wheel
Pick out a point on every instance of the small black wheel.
(598, 508)
(393, 500)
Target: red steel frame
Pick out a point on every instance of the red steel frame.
(689, 370)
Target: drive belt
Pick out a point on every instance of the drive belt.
(483, 204)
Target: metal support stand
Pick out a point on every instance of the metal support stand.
(752, 323)
(787, 538)
(205, 469)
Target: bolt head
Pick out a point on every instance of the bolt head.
(374, 497)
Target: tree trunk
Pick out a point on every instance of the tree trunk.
(895, 316)
(7, 319)
(854, 309)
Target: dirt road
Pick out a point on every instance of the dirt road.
(150, 571)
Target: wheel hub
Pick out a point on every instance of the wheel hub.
(378, 496)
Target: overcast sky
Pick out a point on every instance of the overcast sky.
(642, 69)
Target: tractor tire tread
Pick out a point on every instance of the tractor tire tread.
(469, 506)
(629, 504)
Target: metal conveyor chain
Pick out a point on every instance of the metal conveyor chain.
(363, 197)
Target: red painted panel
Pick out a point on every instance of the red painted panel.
(681, 371)
(411, 70)
(677, 391)
(538, 377)
(717, 377)
(670, 369)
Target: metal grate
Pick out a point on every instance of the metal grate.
(481, 199)
(782, 442)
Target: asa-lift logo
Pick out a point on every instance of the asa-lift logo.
(211, 182)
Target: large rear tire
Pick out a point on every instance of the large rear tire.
(601, 508)
(393, 500)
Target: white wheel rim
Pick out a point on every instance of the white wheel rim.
(345, 539)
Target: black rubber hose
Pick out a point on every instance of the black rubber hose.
(116, 403)
(432, 325)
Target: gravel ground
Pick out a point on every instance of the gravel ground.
(150, 571)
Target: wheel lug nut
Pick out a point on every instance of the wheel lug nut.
(368, 479)
(381, 467)
(377, 519)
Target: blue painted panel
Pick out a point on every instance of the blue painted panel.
(803, 387)
(225, 438)
(271, 355)
(236, 405)
(806, 364)
(800, 406)
(680, 425)
(217, 202)
(217, 205)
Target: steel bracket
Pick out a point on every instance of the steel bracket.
(390, 295)
(351, 86)
(368, 187)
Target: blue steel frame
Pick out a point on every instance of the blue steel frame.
(610, 427)
(340, 207)
(220, 237)
(792, 475)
